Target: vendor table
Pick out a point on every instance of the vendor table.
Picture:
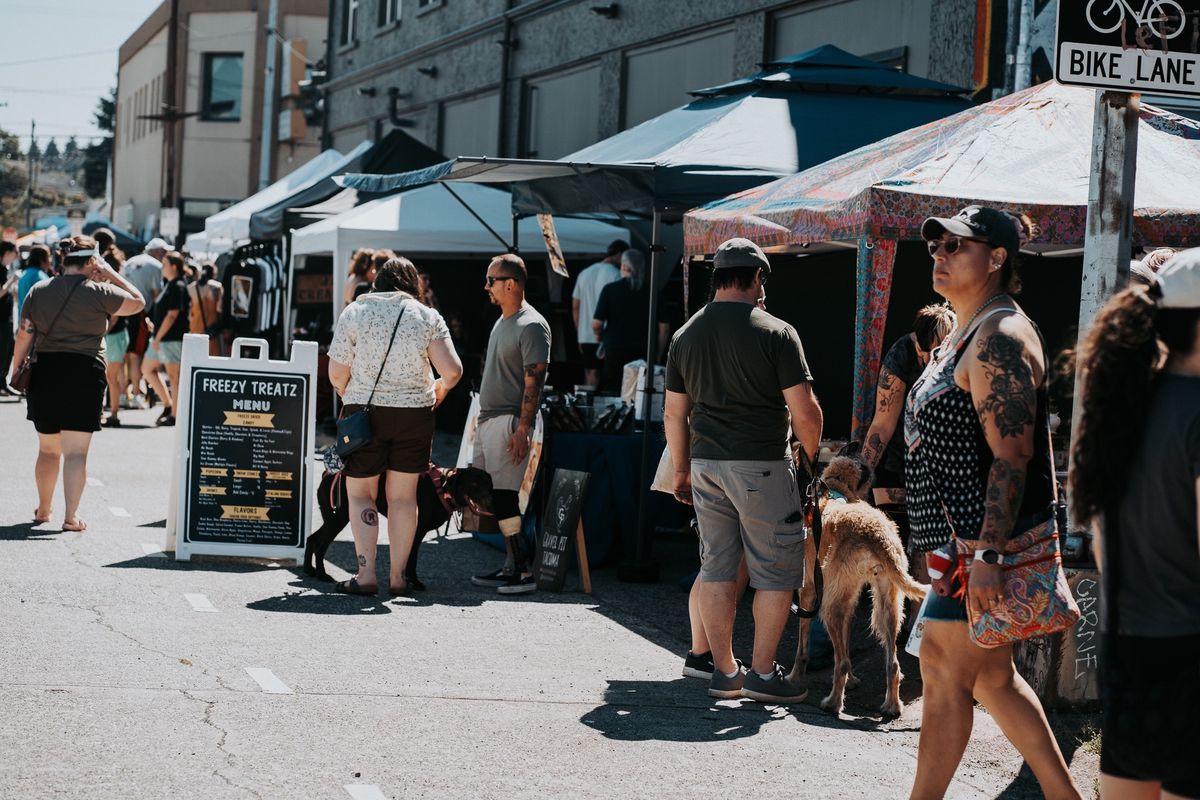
(610, 510)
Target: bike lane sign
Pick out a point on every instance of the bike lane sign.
(1150, 46)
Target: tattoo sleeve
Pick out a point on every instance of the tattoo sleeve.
(1011, 401)
(873, 450)
(1005, 488)
(535, 379)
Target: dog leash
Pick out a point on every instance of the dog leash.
(812, 513)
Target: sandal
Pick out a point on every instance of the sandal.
(113, 421)
(401, 591)
(352, 586)
(79, 526)
(40, 520)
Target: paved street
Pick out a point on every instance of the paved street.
(124, 674)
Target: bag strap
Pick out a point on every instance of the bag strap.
(388, 352)
(62, 308)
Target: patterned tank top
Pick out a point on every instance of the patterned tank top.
(949, 458)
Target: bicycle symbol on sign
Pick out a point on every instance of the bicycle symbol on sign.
(1164, 18)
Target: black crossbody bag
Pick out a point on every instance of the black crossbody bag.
(354, 430)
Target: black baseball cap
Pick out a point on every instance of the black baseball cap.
(977, 222)
(740, 253)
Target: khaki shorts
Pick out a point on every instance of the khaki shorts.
(491, 453)
(751, 508)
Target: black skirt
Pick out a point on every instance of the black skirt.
(66, 393)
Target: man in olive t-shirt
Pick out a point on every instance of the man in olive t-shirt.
(734, 375)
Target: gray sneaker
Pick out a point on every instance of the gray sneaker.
(725, 687)
(776, 689)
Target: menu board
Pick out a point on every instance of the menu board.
(560, 528)
(247, 437)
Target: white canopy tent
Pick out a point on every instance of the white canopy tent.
(429, 221)
(226, 228)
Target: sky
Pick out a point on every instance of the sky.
(57, 59)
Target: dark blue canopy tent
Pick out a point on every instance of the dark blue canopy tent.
(796, 113)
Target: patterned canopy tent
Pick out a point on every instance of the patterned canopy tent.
(1027, 153)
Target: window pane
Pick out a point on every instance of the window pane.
(223, 86)
(659, 79)
(563, 113)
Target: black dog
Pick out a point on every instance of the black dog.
(439, 492)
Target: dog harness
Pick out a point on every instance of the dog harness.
(438, 477)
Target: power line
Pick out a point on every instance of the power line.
(60, 57)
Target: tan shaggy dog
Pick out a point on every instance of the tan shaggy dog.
(860, 547)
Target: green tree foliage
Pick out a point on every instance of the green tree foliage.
(52, 157)
(98, 154)
(10, 146)
(72, 157)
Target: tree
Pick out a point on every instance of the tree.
(52, 158)
(99, 153)
(10, 146)
(72, 158)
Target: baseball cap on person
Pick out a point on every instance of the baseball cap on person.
(1179, 280)
(977, 222)
(740, 253)
(157, 244)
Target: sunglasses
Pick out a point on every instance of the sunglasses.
(491, 279)
(950, 244)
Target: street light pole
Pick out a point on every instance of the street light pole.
(267, 128)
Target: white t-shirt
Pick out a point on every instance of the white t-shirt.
(144, 271)
(587, 292)
(360, 341)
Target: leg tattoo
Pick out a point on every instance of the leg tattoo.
(370, 517)
(362, 560)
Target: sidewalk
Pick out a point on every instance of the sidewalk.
(113, 685)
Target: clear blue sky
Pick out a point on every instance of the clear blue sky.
(58, 57)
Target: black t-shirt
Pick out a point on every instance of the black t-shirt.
(625, 312)
(901, 360)
(734, 361)
(1159, 591)
(174, 296)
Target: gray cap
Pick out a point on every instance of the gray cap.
(1179, 280)
(740, 253)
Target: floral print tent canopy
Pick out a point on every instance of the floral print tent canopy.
(1026, 153)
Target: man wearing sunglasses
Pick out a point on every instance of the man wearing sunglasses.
(514, 372)
(736, 383)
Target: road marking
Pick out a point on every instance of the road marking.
(364, 791)
(153, 550)
(117, 511)
(200, 603)
(94, 482)
(267, 680)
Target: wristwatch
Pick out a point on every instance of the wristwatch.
(987, 556)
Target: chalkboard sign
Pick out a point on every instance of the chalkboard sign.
(248, 440)
(244, 447)
(562, 529)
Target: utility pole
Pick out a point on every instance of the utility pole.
(170, 195)
(268, 115)
(29, 168)
(1023, 74)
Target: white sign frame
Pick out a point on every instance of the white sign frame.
(195, 356)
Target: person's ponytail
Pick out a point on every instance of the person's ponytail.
(1117, 362)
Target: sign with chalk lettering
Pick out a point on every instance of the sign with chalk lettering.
(1148, 46)
(246, 441)
(562, 532)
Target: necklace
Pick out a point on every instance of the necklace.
(960, 332)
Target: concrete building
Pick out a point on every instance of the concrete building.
(542, 78)
(205, 60)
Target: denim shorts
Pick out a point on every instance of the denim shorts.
(165, 353)
(946, 609)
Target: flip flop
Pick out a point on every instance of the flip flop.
(352, 587)
(79, 527)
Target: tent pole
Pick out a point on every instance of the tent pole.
(644, 569)
(515, 247)
(509, 247)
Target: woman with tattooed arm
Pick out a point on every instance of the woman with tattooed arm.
(884, 443)
(978, 466)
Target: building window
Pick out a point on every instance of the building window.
(389, 12)
(428, 5)
(658, 78)
(222, 87)
(349, 22)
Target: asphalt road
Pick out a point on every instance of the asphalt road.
(124, 674)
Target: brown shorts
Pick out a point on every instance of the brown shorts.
(401, 441)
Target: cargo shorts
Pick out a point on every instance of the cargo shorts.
(751, 508)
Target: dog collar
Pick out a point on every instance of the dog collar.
(837, 496)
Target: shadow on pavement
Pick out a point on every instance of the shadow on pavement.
(28, 532)
(1070, 730)
(162, 523)
(199, 563)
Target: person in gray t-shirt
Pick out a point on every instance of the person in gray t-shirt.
(514, 373)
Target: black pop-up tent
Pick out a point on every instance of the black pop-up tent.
(395, 152)
(797, 112)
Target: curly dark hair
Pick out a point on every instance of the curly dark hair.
(1119, 362)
